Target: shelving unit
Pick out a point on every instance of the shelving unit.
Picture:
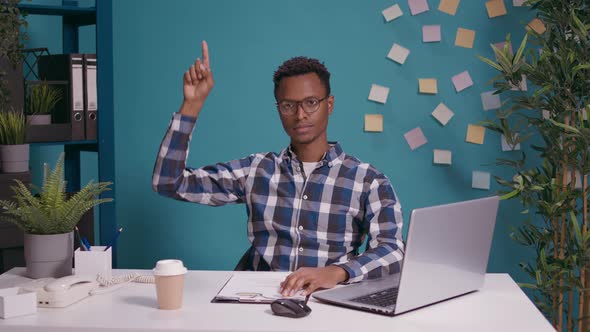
(73, 18)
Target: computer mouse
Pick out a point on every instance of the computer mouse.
(290, 308)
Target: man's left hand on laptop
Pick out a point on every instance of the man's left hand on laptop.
(309, 279)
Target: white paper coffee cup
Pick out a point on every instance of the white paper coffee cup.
(169, 275)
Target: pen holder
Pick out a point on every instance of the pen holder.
(91, 263)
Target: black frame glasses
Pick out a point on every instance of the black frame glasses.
(309, 105)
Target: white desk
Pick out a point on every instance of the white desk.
(500, 306)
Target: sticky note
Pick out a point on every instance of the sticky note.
(500, 47)
(418, 6)
(392, 13)
(442, 114)
(398, 53)
(448, 6)
(508, 147)
(496, 8)
(374, 123)
(465, 38)
(379, 93)
(462, 81)
(415, 138)
(443, 157)
(523, 86)
(518, 3)
(546, 114)
(537, 25)
(480, 180)
(475, 134)
(428, 85)
(490, 101)
(578, 177)
(431, 33)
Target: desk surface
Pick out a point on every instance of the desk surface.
(499, 306)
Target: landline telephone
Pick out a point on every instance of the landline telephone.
(59, 293)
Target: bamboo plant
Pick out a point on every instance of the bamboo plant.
(552, 186)
(42, 98)
(49, 210)
(12, 128)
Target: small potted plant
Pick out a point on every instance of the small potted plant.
(14, 152)
(41, 100)
(48, 217)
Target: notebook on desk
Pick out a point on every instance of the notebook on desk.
(446, 256)
(253, 287)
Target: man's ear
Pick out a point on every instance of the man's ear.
(330, 104)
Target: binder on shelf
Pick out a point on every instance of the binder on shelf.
(68, 67)
(90, 97)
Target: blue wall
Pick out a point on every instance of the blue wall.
(155, 41)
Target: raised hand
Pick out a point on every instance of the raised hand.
(197, 83)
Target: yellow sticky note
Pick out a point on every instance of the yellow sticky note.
(428, 85)
(465, 38)
(475, 134)
(374, 122)
(448, 6)
(536, 25)
(496, 8)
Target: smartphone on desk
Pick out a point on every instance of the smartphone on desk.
(62, 292)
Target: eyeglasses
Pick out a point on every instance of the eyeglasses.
(310, 105)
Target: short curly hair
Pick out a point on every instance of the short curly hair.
(300, 66)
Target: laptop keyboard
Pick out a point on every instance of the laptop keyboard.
(383, 298)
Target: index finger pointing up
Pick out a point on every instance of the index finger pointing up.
(205, 54)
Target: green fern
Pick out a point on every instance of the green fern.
(51, 211)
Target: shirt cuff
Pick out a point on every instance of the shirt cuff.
(353, 268)
(182, 123)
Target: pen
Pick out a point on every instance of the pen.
(82, 245)
(114, 238)
(86, 243)
(307, 298)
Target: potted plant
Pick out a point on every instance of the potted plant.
(12, 36)
(14, 152)
(552, 186)
(48, 217)
(40, 102)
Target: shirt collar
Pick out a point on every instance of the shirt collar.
(333, 156)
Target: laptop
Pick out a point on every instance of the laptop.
(446, 256)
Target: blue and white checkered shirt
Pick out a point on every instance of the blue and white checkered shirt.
(294, 220)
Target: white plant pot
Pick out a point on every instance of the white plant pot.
(39, 119)
(14, 158)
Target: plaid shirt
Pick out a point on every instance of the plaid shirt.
(294, 220)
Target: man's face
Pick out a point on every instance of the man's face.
(302, 127)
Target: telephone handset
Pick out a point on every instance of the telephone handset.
(59, 293)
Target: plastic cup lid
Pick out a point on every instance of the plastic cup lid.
(169, 267)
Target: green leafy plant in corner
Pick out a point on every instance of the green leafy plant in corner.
(555, 199)
(12, 37)
(42, 98)
(50, 210)
(12, 128)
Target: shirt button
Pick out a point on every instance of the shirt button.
(300, 228)
(304, 196)
(300, 248)
(298, 169)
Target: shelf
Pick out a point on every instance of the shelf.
(79, 16)
(92, 142)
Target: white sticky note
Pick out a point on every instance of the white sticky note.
(523, 85)
(442, 114)
(443, 157)
(480, 180)
(546, 114)
(398, 53)
(578, 176)
(462, 81)
(508, 147)
(379, 93)
(392, 13)
(415, 138)
(518, 3)
(431, 33)
(418, 6)
(490, 101)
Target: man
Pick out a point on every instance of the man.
(310, 206)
